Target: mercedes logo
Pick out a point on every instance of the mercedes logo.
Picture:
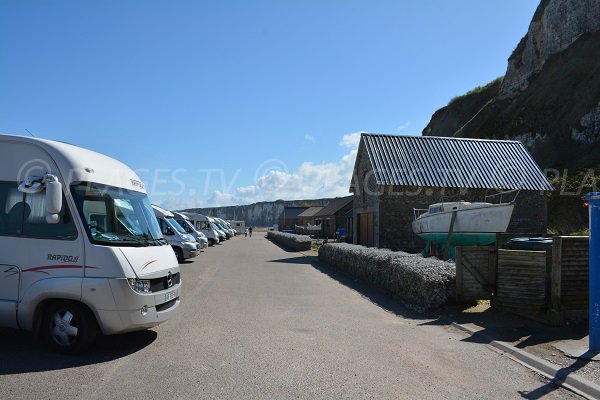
(169, 279)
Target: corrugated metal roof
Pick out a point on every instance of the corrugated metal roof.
(309, 212)
(292, 212)
(453, 162)
(336, 205)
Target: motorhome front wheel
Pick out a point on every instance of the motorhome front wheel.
(69, 327)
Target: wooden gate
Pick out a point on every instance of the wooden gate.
(570, 278)
(475, 272)
(521, 282)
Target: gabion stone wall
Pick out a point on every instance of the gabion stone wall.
(291, 241)
(421, 283)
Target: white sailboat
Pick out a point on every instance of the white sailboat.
(467, 223)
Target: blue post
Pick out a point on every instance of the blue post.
(594, 204)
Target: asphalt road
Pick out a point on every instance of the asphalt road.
(257, 322)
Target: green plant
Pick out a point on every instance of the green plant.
(478, 89)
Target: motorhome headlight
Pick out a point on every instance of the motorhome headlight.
(189, 245)
(139, 285)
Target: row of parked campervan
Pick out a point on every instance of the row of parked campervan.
(82, 250)
(189, 233)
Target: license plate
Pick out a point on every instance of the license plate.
(170, 296)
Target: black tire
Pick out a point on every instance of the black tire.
(179, 254)
(211, 242)
(69, 327)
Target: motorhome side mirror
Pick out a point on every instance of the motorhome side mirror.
(50, 183)
(53, 201)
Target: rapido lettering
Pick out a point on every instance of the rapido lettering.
(63, 258)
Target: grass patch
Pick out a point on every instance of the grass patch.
(478, 89)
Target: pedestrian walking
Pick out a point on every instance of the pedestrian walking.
(250, 231)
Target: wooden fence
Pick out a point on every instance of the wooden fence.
(521, 286)
(569, 277)
(475, 272)
(551, 286)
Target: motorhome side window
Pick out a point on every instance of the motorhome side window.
(202, 225)
(11, 209)
(163, 226)
(25, 215)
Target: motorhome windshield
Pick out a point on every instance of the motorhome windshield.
(176, 225)
(116, 216)
(189, 228)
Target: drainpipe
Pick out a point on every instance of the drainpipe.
(594, 298)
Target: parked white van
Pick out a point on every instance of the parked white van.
(184, 245)
(226, 227)
(215, 225)
(80, 248)
(185, 223)
(202, 224)
(238, 226)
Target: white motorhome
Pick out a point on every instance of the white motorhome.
(184, 245)
(186, 224)
(226, 227)
(80, 249)
(202, 224)
(215, 225)
(238, 226)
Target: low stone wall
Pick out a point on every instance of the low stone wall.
(421, 283)
(290, 241)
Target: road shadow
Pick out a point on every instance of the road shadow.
(293, 260)
(20, 353)
(496, 325)
(559, 378)
(375, 295)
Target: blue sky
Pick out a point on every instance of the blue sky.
(231, 102)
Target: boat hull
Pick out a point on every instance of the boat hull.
(471, 227)
(461, 239)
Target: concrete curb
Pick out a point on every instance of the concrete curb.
(551, 371)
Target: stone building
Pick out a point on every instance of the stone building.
(393, 175)
(332, 216)
(308, 216)
(288, 219)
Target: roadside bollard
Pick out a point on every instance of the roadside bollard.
(594, 298)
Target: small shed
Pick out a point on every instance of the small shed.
(393, 175)
(332, 216)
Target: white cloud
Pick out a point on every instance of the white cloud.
(310, 138)
(178, 202)
(311, 180)
(351, 140)
(403, 126)
(219, 197)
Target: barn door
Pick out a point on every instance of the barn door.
(365, 229)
